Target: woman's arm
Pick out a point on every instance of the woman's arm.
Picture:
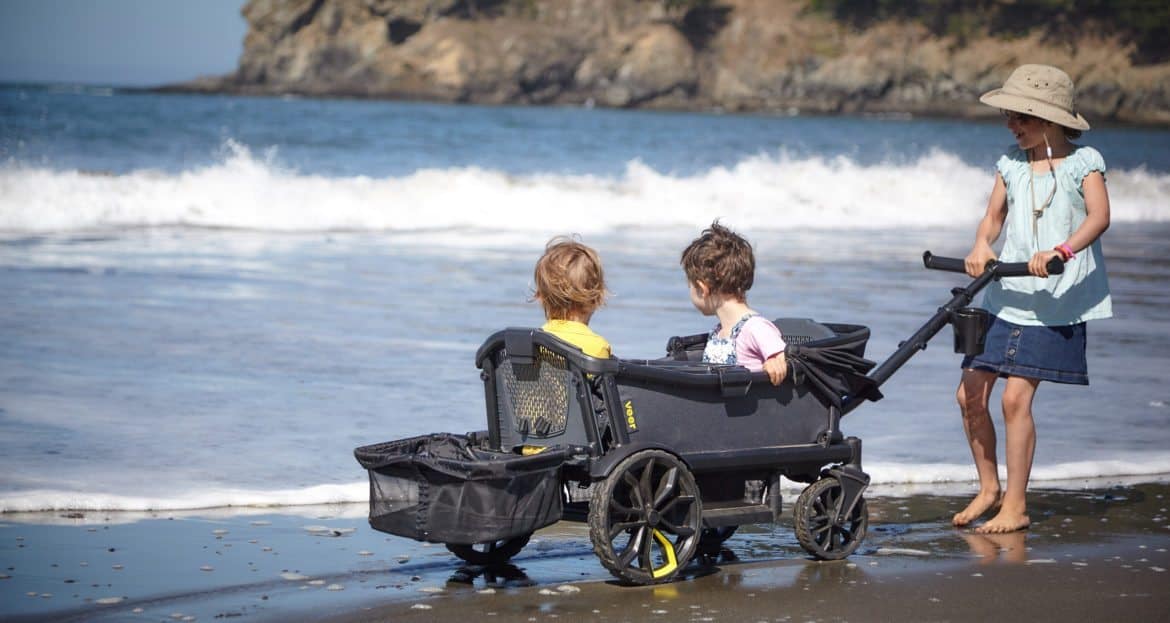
(1095, 224)
(1097, 212)
(989, 229)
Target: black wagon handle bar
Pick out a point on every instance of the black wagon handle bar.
(961, 297)
(999, 269)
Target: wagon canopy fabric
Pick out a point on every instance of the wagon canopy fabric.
(835, 367)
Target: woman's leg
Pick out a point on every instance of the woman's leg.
(973, 396)
(1020, 431)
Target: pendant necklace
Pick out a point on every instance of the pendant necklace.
(1038, 210)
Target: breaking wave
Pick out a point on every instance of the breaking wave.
(249, 192)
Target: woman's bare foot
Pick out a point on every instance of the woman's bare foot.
(982, 503)
(1005, 521)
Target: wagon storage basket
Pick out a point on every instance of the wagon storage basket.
(441, 488)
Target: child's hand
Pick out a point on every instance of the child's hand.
(976, 261)
(777, 368)
(1038, 265)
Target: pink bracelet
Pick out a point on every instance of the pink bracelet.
(1065, 251)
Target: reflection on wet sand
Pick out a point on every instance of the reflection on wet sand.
(1007, 547)
(505, 575)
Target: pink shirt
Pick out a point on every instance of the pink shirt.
(758, 341)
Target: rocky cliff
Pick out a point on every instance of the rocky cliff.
(734, 55)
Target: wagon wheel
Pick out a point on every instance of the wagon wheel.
(711, 539)
(492, 552)
(815, 516)
(645, 518)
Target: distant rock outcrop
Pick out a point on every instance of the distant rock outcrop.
(734, 55)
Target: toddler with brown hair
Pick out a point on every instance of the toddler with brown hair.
(720, 269)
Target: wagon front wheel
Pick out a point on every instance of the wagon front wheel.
(815, 516)
(490, 553)
(646, 517)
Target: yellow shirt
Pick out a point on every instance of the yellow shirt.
(580, 335)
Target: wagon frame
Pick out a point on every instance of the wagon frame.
(662, 458)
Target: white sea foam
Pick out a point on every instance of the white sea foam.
(246, 191)
(178, 500)
(887, 479)
(1141, 465)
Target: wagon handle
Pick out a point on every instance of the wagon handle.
(998, 269)
(961, 297)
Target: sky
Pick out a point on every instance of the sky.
(119, 42)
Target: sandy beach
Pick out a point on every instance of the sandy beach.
(1098, 552)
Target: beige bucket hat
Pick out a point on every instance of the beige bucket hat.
(1041, 91)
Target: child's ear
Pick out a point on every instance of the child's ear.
(702, 288)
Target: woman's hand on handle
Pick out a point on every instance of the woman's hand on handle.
(1038, 265)
(976, 261)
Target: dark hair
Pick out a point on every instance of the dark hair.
(1069, 133)
(722, 259)
(569, 279)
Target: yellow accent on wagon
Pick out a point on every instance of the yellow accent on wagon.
(671, 561)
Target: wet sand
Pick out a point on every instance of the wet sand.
(1117, 581)
(1095, 553)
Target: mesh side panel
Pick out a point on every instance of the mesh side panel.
(391, 494)
(538, 393)
(581, 494)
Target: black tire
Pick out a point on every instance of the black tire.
(646, 517)
(815, 515)
(490, 553)
(711, 539)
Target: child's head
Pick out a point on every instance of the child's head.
(720, 262)
(1041, 91)
(570, 284)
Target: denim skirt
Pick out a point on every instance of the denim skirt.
(1047, 353)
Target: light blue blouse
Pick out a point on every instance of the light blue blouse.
(1082, 292)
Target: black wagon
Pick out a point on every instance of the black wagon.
(662, 458)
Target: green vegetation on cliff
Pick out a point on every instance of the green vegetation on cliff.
(1144, 23)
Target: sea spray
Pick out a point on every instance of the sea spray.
(778, 191)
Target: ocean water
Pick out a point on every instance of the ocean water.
(210, 301)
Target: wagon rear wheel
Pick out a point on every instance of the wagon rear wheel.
(815, 516)
(490, 553)
(646, 517)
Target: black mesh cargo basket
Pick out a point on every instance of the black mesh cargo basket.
(443, 489)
